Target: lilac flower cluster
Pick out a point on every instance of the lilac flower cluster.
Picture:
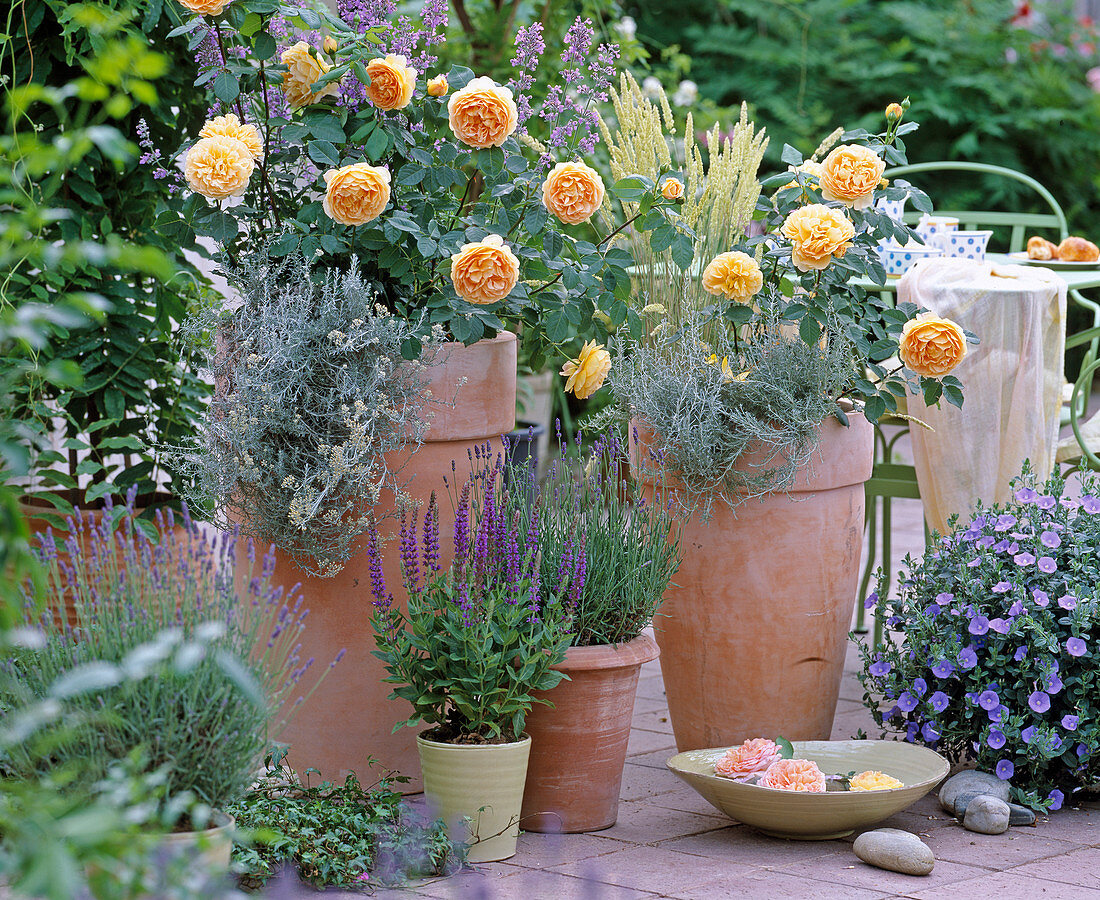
(1001, 623)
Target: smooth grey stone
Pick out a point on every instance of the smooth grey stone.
(894, 850)
(986, 815)
(1020, 815)
(963, 800)
(971, 781)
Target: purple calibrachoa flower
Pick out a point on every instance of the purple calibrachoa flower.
(1067, 601)
(907, 702)
(1045, 501)
(1005, 769)
(1050, 539)
(880, 667)
(1041, 598)
(939, 701)
(995, 740)
(943, 669)
(1027, 495)
(1075, 646)
(1047, 565)
(989, 700)
(911, 732)
(978, 625)
(986, 542)
(1016, 608)
(1090, 504)
(967, 658)
(1070, 722)
(1023, 559)
(929, 733)
(1056, 798)
(1004, 522)
(999, 625)
(944, 598)
(1027, 734)
(1039, 701)
(920, 686)
(871, 600)
(1069, 503)
(1021, 654)
(1002, 587)
(1001, 546)
(1052, 684)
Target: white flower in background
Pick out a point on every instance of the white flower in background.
(651, 87)
(686, 94)
(626, 28)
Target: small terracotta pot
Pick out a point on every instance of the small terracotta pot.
(479, 782)
(754, 630)
(349, 719)
(578, 747)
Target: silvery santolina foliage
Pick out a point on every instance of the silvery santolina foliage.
(311, 392)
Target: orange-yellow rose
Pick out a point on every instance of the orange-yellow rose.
(586, 374)
(873, 781)
(485, 271)
(218, 167)
(850, 174)
(437, 86)
(356, 194)
(391, 82)
(733, 275)
(572, 192)
(482, 114)
(230, 126)
(672, 189)
(817, 233)
(809, 168)
(794, 775)
(206, 7)
(931, 346)
(304, 67)
(753, 757)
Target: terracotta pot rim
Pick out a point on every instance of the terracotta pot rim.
(641, 649)
(428, 742)
(499, 337)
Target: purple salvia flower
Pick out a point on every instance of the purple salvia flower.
(529, 49)
(431, 537)
(462, 523)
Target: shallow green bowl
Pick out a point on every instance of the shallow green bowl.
(818, 817)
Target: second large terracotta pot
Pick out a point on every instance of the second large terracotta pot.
(578, 747)
(753, 634)
(349, 719)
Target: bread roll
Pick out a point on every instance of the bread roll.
(1041, 248)
(1077, 249)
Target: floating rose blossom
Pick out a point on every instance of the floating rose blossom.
(874, 781)
(750, 758)
(1039, 701)
(1076, 647)
(939, 701)
(794, 775)
(1005, 769)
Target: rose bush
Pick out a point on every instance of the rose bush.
(931, 346)
(997, 632)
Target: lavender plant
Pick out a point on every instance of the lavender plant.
(631, 547)
(112, 589)
(479, 639)
(312, 393)
(995, 643)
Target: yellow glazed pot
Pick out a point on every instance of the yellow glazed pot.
(481, 782)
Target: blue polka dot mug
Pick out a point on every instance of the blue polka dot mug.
(967, 244)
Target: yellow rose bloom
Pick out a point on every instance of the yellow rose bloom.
(874, 781)
(931, 346)
(484, 271)
(391, 82)
(356, 194)
(206, 7)
(303, 69)
(850, 174)
(230, 126)
(672, 189)
(572, 192)
(586, 374)
(482, 114)
(734, 275)
(809, 167)
(437, 86)
(818, 234)
(218, 167)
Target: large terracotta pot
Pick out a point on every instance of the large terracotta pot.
(578, 747)
(753, 633)
(348, 719)
(479, 782)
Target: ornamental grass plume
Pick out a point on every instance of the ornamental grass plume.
(119, 583)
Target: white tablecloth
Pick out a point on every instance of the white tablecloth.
(1012, 382)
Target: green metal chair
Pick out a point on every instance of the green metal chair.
(891, 480)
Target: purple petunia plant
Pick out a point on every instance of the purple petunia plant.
(995, 642)
(478, 638)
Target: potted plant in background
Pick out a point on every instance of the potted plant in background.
(757, 386)
(477, 643)
(202, 729)
(994, 659)
(459, 223)
(631, 552)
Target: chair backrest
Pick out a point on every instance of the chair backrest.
(1020, 225)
